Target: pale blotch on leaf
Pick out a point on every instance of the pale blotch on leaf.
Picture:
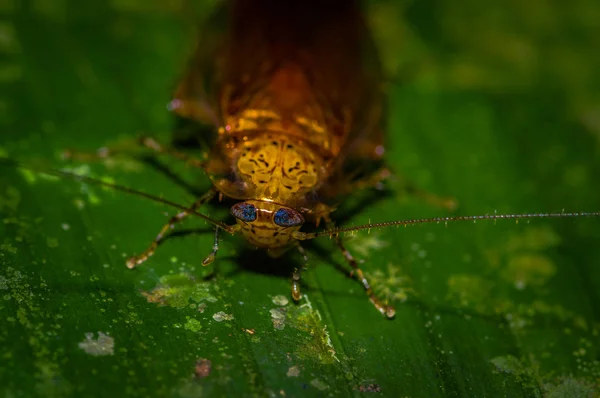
(511, 365)
(280, 300)
(508, 364)
(533, 239)
(468, 290)
(221, 316)
(392, 285)
(51, 242)
(293, 371)
(8, 247)
(552, 386)
(103, 345)
(528, 270)
(570, 387)
(319, 385)
(178, 290)
(278, 317)
(193, 325)
(318, 345)
(364, 244)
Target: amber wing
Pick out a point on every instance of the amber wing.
(302, 59)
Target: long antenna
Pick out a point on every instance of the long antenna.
(439, 220)
(307, 235)
(75, 176)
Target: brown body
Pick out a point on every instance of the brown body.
(294, 88)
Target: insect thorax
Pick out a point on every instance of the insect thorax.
(267, 166)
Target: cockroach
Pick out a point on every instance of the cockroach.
(294, 91)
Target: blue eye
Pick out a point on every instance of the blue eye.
(244, 211)
(285, 217)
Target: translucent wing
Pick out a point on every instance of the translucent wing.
(305, 63)
(194, 97)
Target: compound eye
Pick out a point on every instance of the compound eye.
(286, 217)
(244, 211)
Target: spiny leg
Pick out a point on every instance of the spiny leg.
(412, 189)
(211, 257)
(131, 148)
(154, 145)
(134, 261)
(376, 180)
(351, 183)
(296, 294)
(385, 310)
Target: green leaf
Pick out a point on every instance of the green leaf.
(499, 110)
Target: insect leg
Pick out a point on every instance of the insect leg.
(296, 294)
(373, 181)
(376, 179)
(412, 189)
(134, 261)
(131, 148)
(211, 257)
(154, 145)
(385, 310)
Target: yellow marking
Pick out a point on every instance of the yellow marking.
(278, 169)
